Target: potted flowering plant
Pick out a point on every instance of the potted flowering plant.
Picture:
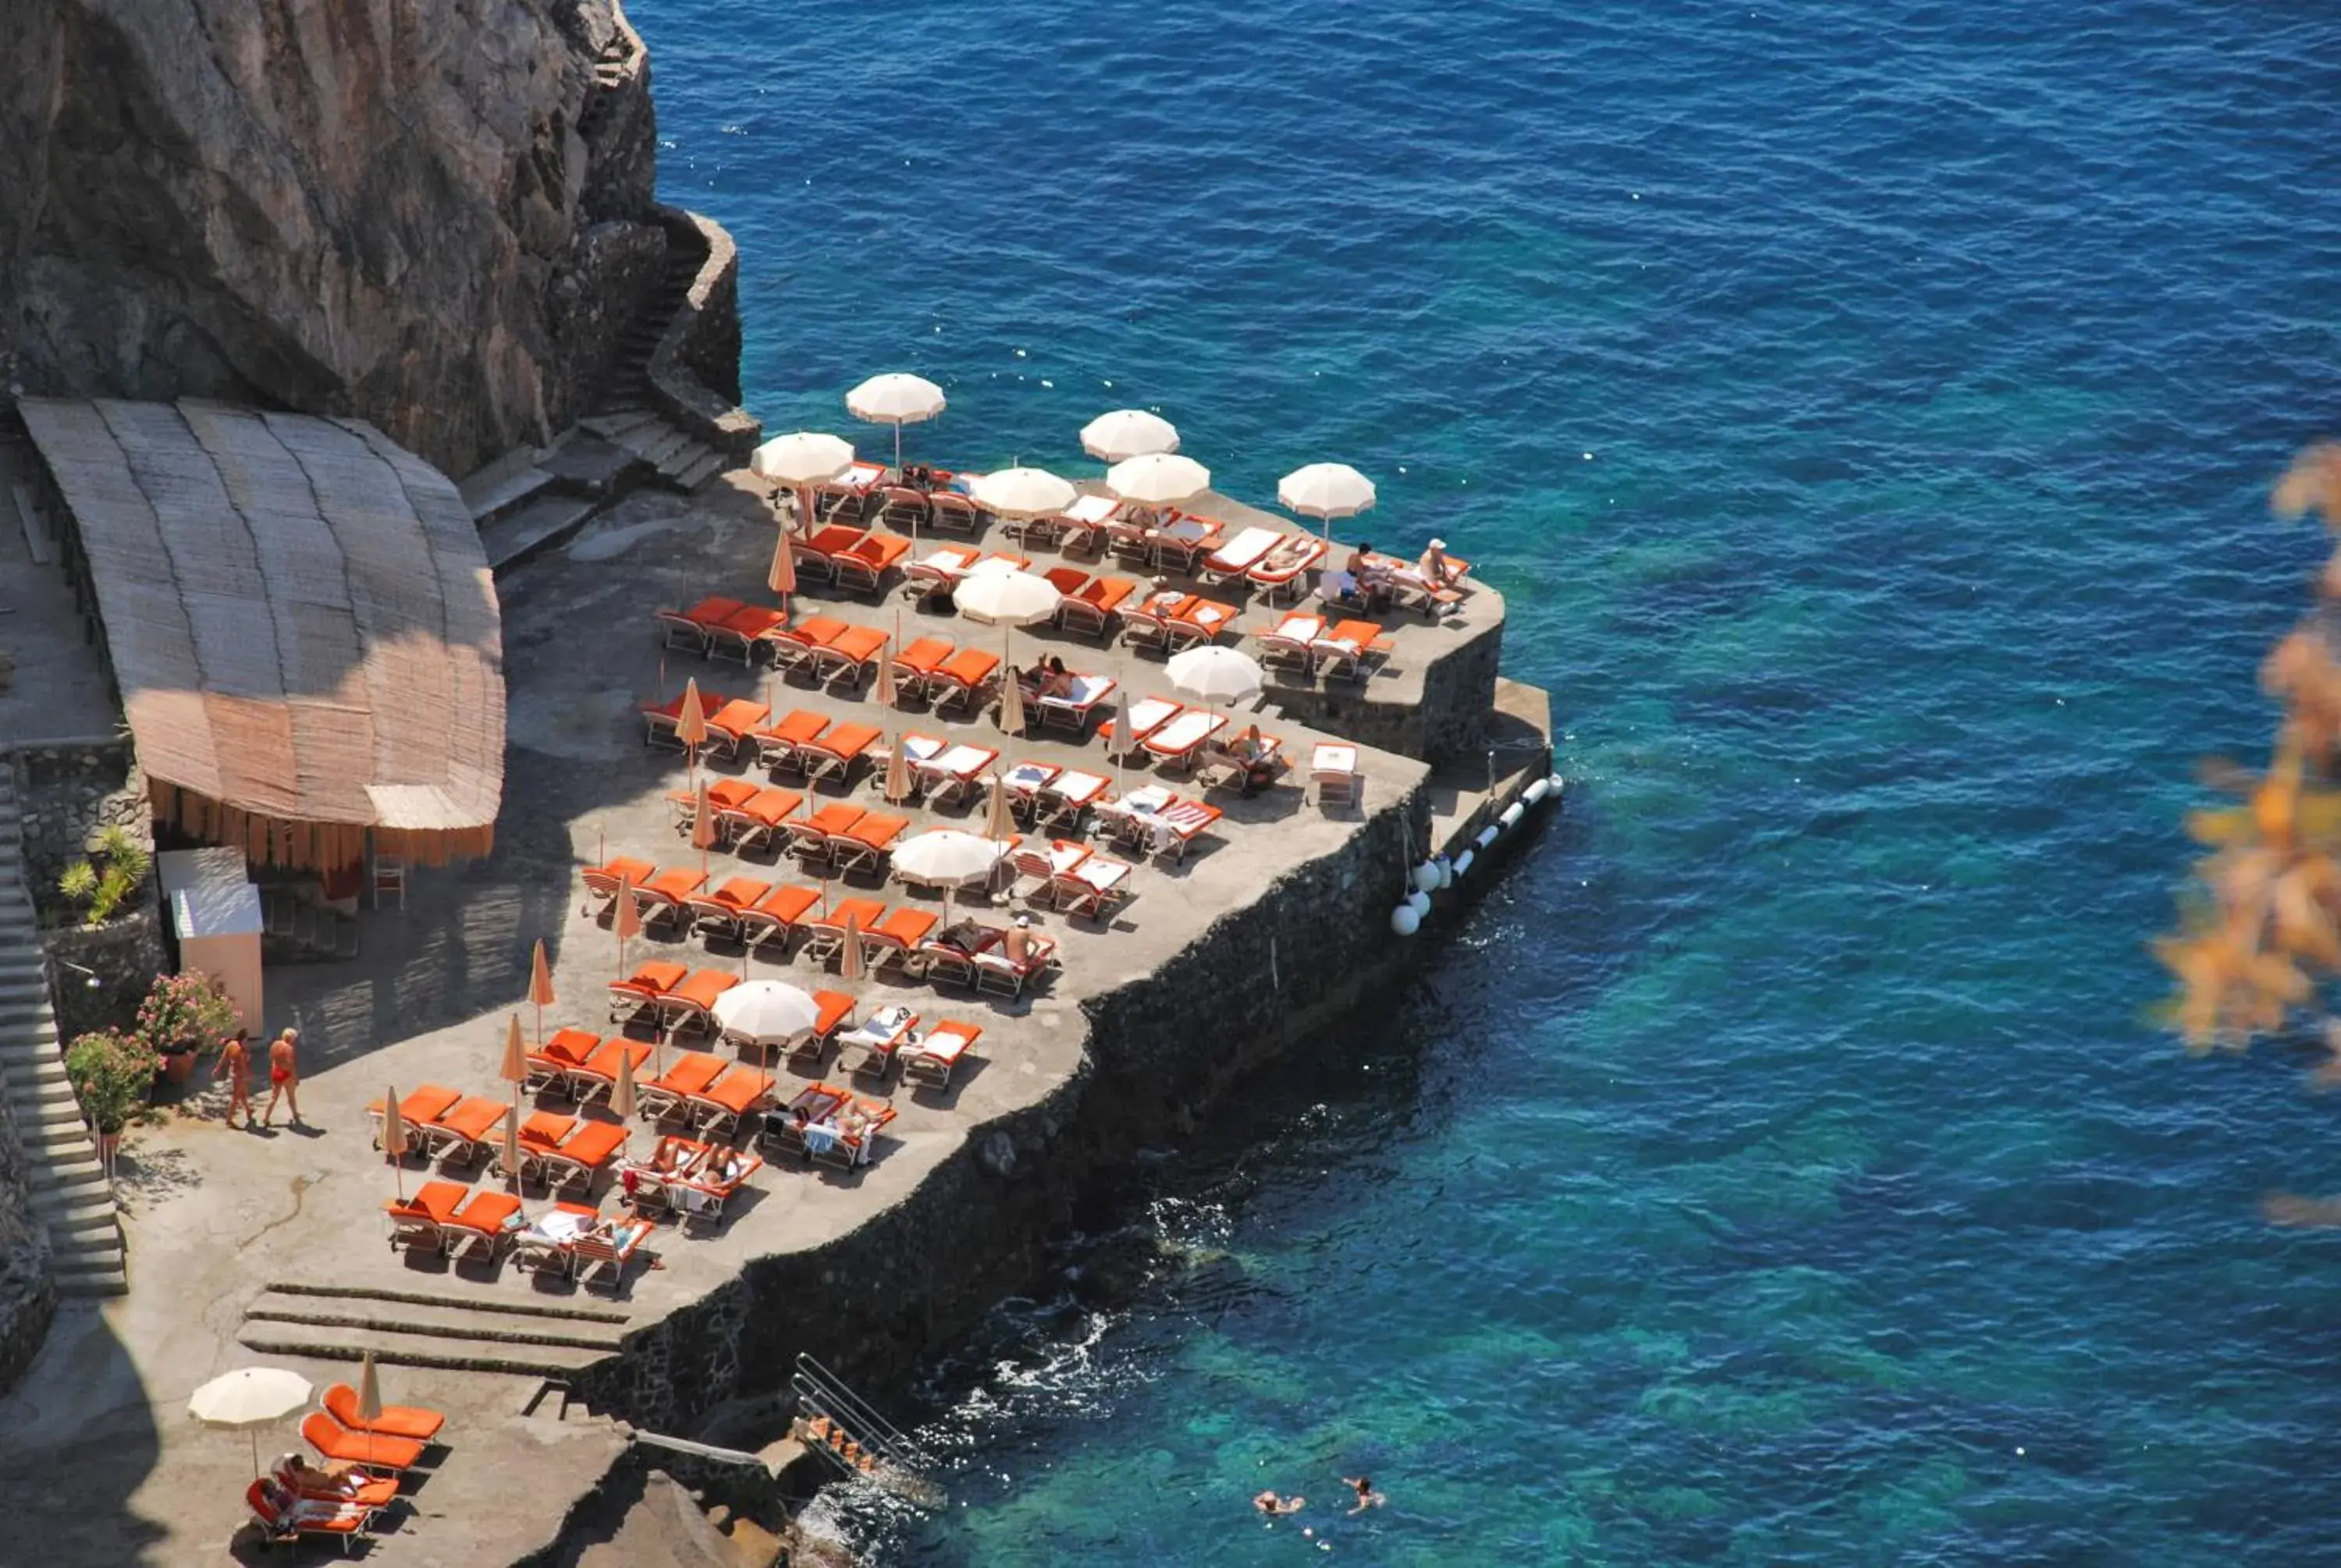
(181, 1016)
(112, 1074)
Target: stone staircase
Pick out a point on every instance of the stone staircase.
(431, 1328)
(684, 461)
(69, 1191)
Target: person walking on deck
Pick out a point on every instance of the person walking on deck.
(284, 1077)
(235, 1063)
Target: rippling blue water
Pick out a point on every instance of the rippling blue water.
(1867, 409)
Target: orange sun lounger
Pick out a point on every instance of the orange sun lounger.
(717, 914)
(1181, 740)
(592, 1149)
(937, 1053)
(1061, 800)
(776, 914)
(739, 634)
(690, 629)
(816, 552)
(642, 989)
(996, 971)
(828, 931)
(784, 1131)
(420, 1221)
(603, 881)
(463, 1132)
(810, 836)
(835, 752)
(861, 847)
(286, 1516)
(660, 898)
(862, 565)
(340, 1402)
(871, 1046)
(716, 1110)
(1092, 611)
(852, 655)
(965, 678)
(752, 824)
(691, 1074)
(549, 1064)
(836, 1011)
(778, 744)
(487, 1219)
(794, 646)
(1147, 714)
(1285, 563)
(894, 938)
(599, 1075)
(853, 1145)
(687, 1005)
(537, 1137)
(418, 1110)
(723, 795)
(915, 663)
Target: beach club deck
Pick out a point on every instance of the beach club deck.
(285, 1237)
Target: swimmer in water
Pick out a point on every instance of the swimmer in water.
(1271, 1504)
(1363, 1485)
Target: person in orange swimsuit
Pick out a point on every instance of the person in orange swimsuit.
(284, 1077)
(235, 1064)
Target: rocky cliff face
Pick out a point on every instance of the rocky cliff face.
(425, 213)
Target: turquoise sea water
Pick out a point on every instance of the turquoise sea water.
(1867, 409)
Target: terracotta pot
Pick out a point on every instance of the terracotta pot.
(107, 1146)
(178, 1066)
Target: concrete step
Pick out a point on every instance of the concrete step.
(668, 443)
(699, 472)
(545, 524)
(394, 1346)
(689, 455)
(84, 1171)
(617, 422)
(91, 1281)
(506, 494)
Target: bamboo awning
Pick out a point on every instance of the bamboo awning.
(301, 620)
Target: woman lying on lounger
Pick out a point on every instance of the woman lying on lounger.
(1251, 753)
(340, 1479)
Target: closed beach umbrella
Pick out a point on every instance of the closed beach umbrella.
(621, 1091)
(248, 1399)
(514, 1068)
(782, 579)
(1000, 825)
(768, 1012)
(1121, 741)
(1215, 673)
(702, 824)
(1325, 489)
(806, 459)
(690, 722)
(1022, 492)
(849, 957)
(885, 692)
(898, 774)
(511, 1144)
(369, 1390)
(898, 400)
(393, 1141)
(1158, 479)
(624, 918)
(539, 987)
(1011, 704)
(1128, 433)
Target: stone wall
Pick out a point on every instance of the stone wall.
(619, 267)
(67, 793)
(694, 372)
(124, 956)
(1438, 717)
(28, 1297)
(345, 210)
(871, 1303)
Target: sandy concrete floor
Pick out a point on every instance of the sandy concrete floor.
(95, 1441)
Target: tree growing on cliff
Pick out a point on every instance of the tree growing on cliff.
(2259, 928)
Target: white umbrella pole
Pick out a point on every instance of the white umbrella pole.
(255, 1452)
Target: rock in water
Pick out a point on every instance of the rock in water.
(435, 215)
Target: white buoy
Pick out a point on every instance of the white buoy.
(1425, 876)
(1405, 921)
(1487, 835)
(1446, 871)
(1511, 815)
(1536, 791)
(1418, 901)
(1463, 863)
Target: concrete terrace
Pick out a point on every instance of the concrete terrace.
(95, 1443)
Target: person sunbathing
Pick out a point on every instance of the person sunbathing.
(339, 1480)
(1370, 575)
(1018, 943)
(1056, 680)
(1436, 568)
(1251, 751)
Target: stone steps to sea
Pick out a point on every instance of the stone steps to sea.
(70, 1197)
(431, 1328)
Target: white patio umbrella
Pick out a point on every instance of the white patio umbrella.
(949, 858)
(248, 1399)
(1022, 492)
(896, 399)
(805, 458)
(1215, 673)
(1158, 479)
(769, 1012)
(1007, 598)
(1128, 433)
(1327, 490)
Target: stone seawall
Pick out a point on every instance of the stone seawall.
(1435, 709)
(694, 371)
(871, 1303)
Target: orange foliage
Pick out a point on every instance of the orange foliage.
(2265, 928)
